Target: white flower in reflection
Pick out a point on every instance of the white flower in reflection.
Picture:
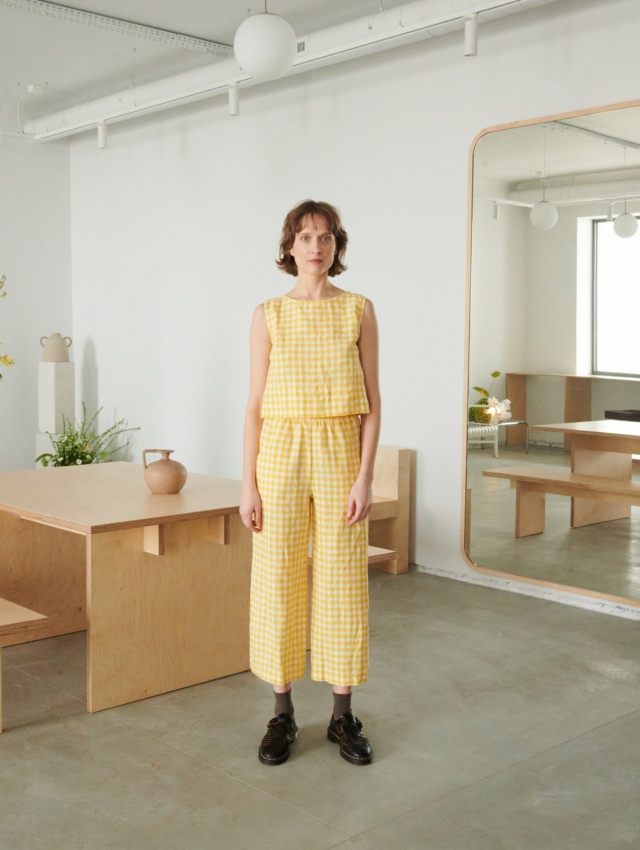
(499, 410)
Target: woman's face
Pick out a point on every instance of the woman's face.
(314, 247)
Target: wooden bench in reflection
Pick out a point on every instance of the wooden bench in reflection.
(532, 483)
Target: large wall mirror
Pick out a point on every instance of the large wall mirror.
(546, 199)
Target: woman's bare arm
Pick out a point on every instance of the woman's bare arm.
(361, 496)
(260, 341)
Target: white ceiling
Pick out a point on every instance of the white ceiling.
(599, 165)
(524, 154)
(75, 62)
(72, 62)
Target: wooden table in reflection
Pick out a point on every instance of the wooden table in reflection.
(601, 448)
(160, 583)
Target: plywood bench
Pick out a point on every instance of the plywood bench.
(532, 483)
(389, 517)
(14, 619)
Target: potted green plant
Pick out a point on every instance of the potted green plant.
(488, 409)
(80, 444)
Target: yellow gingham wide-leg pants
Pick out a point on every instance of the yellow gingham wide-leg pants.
(305, 471)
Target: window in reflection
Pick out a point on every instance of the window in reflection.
(616, 284)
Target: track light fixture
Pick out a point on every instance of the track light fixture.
(471, 35)
(102, 135)
(234, 99)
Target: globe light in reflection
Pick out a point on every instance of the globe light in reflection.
(543, 215)
(625, 225)
(265, 46)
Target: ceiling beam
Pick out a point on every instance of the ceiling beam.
(106, 22)
(593, 134)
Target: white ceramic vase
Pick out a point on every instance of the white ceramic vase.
(56, 348)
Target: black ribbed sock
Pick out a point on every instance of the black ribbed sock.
(341, 704)
(284, 705)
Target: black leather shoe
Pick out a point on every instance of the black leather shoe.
(275, 746)
(354, 747)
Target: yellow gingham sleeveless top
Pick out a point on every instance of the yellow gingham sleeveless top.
(314, 366)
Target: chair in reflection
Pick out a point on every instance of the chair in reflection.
(478, 435)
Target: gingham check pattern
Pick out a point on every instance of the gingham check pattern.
(305, 471)
(314, 367)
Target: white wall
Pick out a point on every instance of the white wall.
(498, 315)
(35, 256)
(175, 227)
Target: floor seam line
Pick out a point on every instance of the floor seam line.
(45, 682)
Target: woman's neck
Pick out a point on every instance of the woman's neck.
(313, 288)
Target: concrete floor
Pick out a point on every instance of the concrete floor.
(604, 557)
(500, 722)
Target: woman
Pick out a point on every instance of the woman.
(310, 440)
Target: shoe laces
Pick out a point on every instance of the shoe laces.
(349, 726)
(281, 719)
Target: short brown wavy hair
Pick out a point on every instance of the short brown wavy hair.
(293, 224)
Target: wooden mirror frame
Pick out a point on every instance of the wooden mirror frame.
(465, 524)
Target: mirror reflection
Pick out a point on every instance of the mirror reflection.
(553, 457)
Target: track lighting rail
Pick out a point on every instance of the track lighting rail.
(111, 24)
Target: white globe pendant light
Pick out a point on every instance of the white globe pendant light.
(625, 225)
(543, 215)
(265, 46)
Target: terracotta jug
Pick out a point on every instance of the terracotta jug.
(164, 475)
(56, 348)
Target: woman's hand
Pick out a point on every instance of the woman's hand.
(360, 502)
(251, 510)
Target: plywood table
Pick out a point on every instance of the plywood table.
(160, 583)
(600, 448)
